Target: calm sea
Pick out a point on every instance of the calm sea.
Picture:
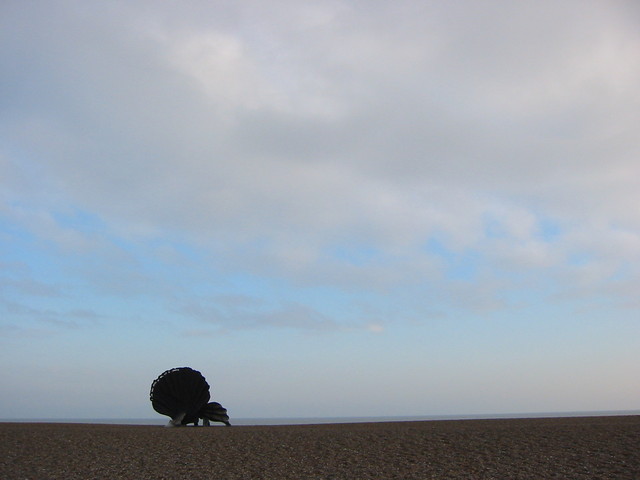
(159, 420)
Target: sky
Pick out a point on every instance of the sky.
(329, 208)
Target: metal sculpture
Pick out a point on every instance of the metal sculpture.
(183, 395)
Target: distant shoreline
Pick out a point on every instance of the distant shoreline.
(160, 420)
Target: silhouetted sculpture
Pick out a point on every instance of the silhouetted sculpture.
(183, 395)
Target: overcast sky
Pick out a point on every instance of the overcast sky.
(329, 208)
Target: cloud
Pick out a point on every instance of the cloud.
(276, 137)
(238, 312)
(375, 328)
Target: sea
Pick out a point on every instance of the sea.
(160, 420)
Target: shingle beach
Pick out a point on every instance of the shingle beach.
(568, 448)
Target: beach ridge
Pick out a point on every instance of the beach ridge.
(570, 447)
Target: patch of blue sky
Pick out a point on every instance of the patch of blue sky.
(275, 292)
(520, 298)
(580, 259)
(11, 233)
(160, 254)
(73, 289)
(45, 258)
(625, 271)
(357, 255)
(458, 265)
(549, 230)
(27, 262)
(493, 227)
(546, 228)
(80, 220)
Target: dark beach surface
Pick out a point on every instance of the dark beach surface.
(542, 448)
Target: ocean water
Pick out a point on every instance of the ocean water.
(161, 420)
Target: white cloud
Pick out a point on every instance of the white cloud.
(273, 135)
(250, 313)
(375, 328)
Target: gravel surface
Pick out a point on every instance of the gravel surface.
(570, 448)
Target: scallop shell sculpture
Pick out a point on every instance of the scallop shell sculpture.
(183, 395)
(214, 412)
